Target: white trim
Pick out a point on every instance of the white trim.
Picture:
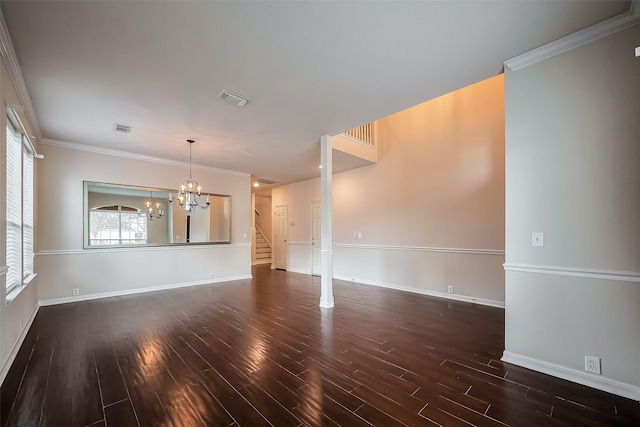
(369, 145)
(101, 295)
(422, 249)
(15, 73)
(6, 365)
(134, 156)
(623, 276)
(3, 270)
(582, 37)
(299, 243)
(264, 236)
(591, 380)
(16, 290)
(141, 249)
(14, 112)
(297, 270)
(463, 298)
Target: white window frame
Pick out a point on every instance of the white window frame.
(120, 212)
(19, 257)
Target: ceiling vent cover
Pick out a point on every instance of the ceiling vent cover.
(234, 98)
(265, 181)
(121, 128)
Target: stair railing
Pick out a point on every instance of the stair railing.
(362, 133)
(264, 236)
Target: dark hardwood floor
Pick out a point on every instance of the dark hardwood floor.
(261, 352)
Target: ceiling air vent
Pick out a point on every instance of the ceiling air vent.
(234, 98)
(121, 128)
(265, 181)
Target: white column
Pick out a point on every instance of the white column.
(326, 247)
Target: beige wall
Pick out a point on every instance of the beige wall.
(64, 265)
(573, 156)
(431, 212)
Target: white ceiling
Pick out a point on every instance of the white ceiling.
(310, 69)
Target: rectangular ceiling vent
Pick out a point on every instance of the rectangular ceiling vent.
(266, 181)
(121, 128)
(234, 98)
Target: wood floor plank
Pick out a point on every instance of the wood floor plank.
(109, 376)
(260, 352)
(121, 414)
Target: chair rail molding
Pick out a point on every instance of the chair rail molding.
(423, 249)
(623, 276)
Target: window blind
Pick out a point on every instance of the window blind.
(14, 207)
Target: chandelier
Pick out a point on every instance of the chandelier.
(154, 211)
(190, 191)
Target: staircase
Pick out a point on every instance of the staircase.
(263, 249)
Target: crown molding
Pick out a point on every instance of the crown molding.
(582, 37)
(15, 73)
(134, 156)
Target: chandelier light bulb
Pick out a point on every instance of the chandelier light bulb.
(152, 213)
(190, 190)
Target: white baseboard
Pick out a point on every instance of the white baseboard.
(595, 381)
(88, 297)
(16, 346)
(464, 298)
(295, 270)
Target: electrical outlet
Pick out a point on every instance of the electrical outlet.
(210, 275)
(537, 239)
(592, 364)
(21, 324)
(450, 289)
(75, 292)
(245, 235)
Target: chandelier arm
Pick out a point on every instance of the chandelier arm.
(206, 205)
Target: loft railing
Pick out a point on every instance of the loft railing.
(362, 133)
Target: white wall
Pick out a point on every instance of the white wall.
(573, 156)
(64, 265)
(431, 211)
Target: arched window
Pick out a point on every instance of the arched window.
(117, 225)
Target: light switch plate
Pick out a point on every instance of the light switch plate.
(537, 239)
